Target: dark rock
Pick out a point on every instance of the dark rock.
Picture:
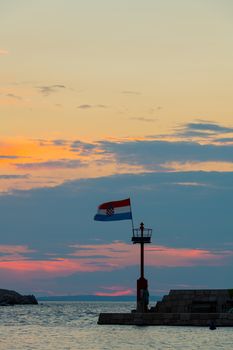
(10, 297)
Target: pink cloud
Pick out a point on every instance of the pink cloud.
(58, 267)
(14, 252)
(12, 249)
(104, 257)
(115, 294)
(115, 291)
(120, 254)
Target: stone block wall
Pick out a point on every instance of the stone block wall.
(195, 301)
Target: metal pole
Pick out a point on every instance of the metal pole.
(142, 260)
(131, 216)
(142, 251)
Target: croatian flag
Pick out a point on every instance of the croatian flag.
(117, 210)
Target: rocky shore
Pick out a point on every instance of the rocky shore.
(10, 297)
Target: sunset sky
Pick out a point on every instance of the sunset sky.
(105, 100)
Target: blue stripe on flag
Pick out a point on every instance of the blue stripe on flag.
(123, 216)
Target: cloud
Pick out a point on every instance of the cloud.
(16, 97)
(59, 142)
(85, 106)
(115, 292)
(49, 142)
(9, 157)
(185, 133)
(14, 253)
(209, 127)
(202, 129)
(191, 230)
(82, 147)
(11, 96)
(101, 106)
(53, 164)
(43, 142)
(43, 268)
(224, 140)
(142, 119)
(4, 52)
(74, 145)
(152, 152)
(88, 106)
(47, 90)
(12, 249)
(14, 176)
(119, 255)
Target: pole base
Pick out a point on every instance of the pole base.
(142, 295)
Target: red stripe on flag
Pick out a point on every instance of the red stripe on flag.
(115, 204)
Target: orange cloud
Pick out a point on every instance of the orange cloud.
(91, 158)
(4, 52)
(37, 157)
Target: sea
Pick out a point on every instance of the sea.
(73, 325)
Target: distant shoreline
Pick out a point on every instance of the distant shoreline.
(130, 298)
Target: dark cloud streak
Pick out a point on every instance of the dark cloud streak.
(13, 96)
(202, 129)
(82, 147)
(14, 177)
(9, 157)
(88, 106)
(209, 127)
(53, 164)
(47, 90)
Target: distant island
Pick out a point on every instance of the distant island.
(10, 297)
(124, 298)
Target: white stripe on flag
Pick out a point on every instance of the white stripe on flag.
(118, 210)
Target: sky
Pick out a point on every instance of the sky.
(105, 100)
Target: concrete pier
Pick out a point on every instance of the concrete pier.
(167, 319)
(181, 308)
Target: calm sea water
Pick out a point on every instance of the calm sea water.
(73, 325)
